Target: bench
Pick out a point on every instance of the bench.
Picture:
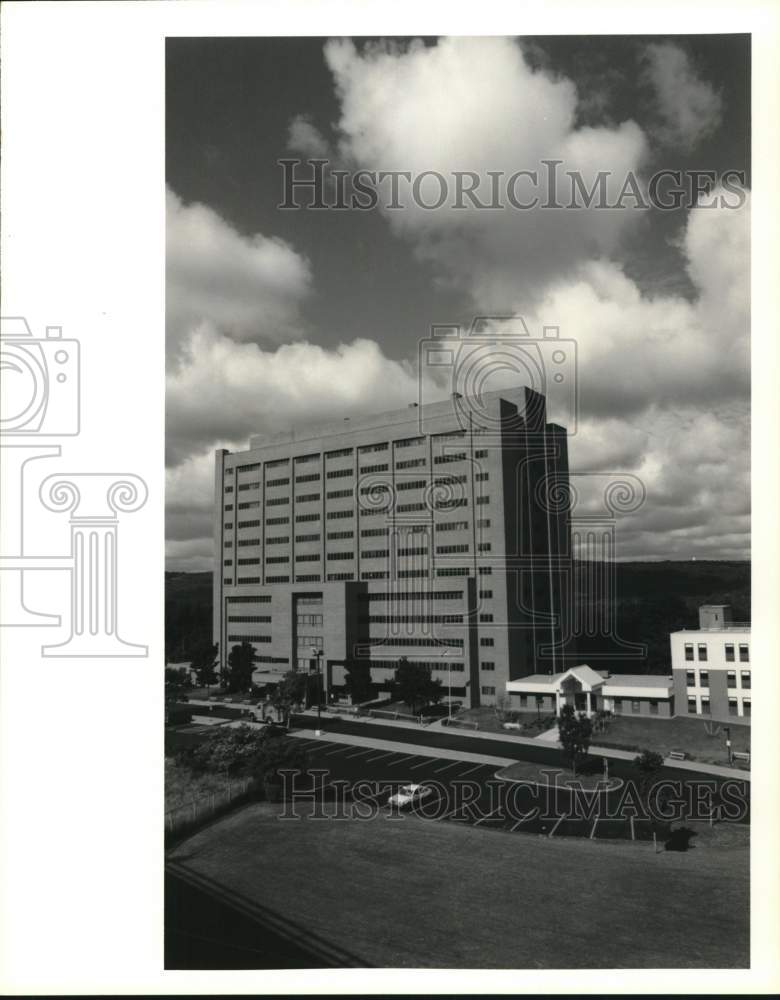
(739, 755)
(677, 755)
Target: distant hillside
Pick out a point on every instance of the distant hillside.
(188, 610)
(652, 599)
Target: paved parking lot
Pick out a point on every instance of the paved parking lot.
(465, 791)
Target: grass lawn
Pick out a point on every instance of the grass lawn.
(414, 893)
(489, 723)
(663, 735)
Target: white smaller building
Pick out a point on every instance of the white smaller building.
(590, 691)
(711, 666)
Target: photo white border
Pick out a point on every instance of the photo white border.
(83, 247)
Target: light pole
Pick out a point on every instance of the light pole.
(317, 656)
(728, 742)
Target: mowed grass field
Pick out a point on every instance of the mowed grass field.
(416, 893)
(679, 733)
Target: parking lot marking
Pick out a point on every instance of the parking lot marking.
(489, 815)
(423, 762)
(557, 824)
(386, 753)
(452, 763)
(473, 769)
(520, 822)
(412, 756)
(361, 752)
(341, 748)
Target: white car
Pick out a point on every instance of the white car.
(408, 795)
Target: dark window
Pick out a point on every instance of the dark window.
(703, 651)
(636, 706)
(654, 707)
(744, 679)
(744, 653)
(705, 706)
(733, 706)
(746, 707)
(690, 678)
(704, 678)
(731, 678)
(729, 652)
(692, 706)
(689, 651)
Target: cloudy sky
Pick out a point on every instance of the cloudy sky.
(281, 318)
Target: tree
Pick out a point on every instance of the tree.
(241, 662)
(574, 732)
(204, 661)
(277, 752)
(290, 692)
(503, 707)
(414, 685)
(647, 765)
(176, 682)
(229, 752)
(357, 680)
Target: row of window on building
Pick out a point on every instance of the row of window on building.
(701, 678)
(368, 449)
(701, 706)
(729, 651)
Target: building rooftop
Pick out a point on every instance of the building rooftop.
(639, 680)
(453, 405)
(731, 627)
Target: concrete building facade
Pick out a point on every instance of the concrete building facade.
(711, 667)
(440, 533)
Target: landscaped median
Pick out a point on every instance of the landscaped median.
(526, 771)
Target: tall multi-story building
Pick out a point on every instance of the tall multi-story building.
(439, 533)
(711, 666)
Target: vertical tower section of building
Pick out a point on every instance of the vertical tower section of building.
(218, 576)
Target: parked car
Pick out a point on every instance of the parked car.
(409, 795)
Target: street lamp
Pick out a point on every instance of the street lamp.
(317, 656)
(728, 742)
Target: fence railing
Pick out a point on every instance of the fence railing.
(192, 814)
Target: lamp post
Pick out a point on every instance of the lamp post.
(728, 742)
(317, 656)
